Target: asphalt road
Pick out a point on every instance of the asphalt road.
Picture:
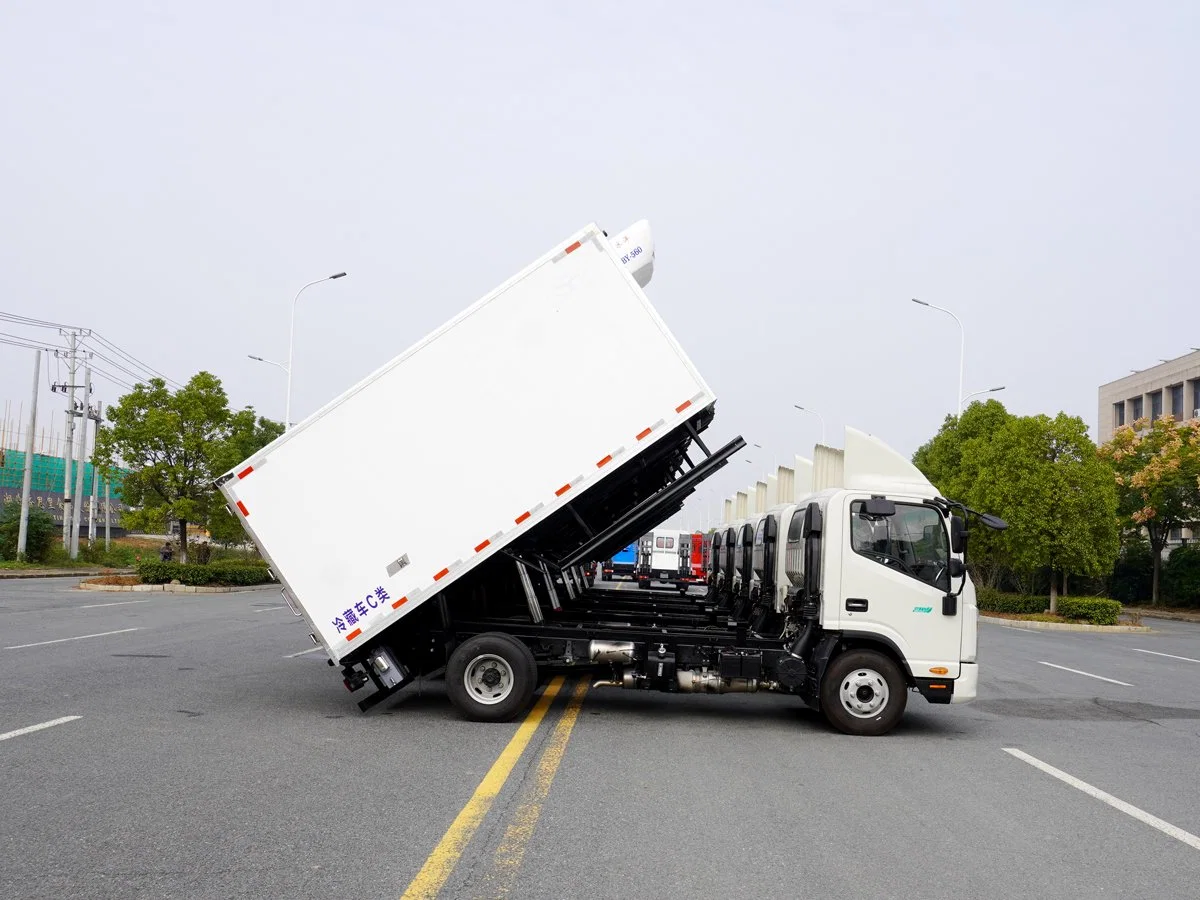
(208, 759)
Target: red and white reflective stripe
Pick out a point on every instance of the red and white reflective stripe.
(525, 516)
(242, 507)
(246, 471)
(575, 246)
(355, 633)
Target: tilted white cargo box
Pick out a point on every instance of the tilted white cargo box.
(467, 440)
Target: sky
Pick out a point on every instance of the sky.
(173, 173)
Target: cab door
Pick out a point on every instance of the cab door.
(895, 574)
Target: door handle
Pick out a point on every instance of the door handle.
(856, 604)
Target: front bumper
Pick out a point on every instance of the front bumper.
(951, 690)
(966, 685)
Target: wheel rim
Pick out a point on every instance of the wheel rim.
(864, 693)
(489, 679)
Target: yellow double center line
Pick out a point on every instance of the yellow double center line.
(507, 861)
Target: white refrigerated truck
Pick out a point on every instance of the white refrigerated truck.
(473, 483)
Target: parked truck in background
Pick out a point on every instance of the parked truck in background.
(670, 557)
(868, 595)
(623, 563)
(663, 557)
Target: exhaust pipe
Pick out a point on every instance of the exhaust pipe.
(620, 652)
(695, 681)
(628, 680)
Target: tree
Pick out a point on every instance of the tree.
(1044, 477)
(941, 459)
(176, 443)
(247, 435)
(950, 463)
(1181, 575)
(38, 539)
(1157, 467)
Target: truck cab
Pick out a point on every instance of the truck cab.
(728, 561)
(875, 569)
(891, 563)
(743, 571)
(769, 592)
(716, 550)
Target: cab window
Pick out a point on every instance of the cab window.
(796, 528)
(913, 541)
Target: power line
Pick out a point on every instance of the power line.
(17, 341)
(22, 341)
(133, 359)
(107, 377)
(37, 323)
(137, 376)
(88, 333)
(24, 345)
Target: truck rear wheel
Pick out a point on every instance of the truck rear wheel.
(863, 693)
(491, 677)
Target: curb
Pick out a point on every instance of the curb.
(1169, 616)
(60, 573)
(1065, 626)
(169, 588)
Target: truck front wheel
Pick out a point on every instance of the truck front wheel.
(863, 693)
(491, 677)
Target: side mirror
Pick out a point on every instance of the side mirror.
(994, 522)
(812, 519)
(958, 534)
(879, 506)
(957, 567)
(770, 530)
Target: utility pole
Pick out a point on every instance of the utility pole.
(23, 528)
(107, 515)
(81, 456)
(72, 354)
(95, 478)
(68, 446)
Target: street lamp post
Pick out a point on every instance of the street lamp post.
(815, 413)
(962, 345)
(287, 414)
(269, 362)
(977, 393)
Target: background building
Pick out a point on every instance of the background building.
(46, 489)
(1172, 388)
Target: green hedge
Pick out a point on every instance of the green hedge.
(225, 573)
(991, 600)
(1096, 610)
